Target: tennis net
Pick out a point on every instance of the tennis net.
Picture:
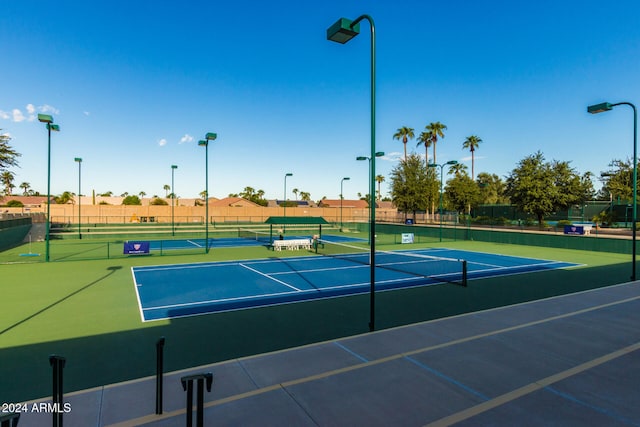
(440, 269)
(261, 236)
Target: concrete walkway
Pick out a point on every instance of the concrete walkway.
(569, 360)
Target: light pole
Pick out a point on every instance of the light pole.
(79, 161)
(284, 199)
(45, 118)
(210, 136)
(605, 106)
(173, 198)
(360, 158)
(346, 178)
(433, 165)
(341, 32)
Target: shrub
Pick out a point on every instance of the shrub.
(131, 200)
(14, 204)
(158, 202)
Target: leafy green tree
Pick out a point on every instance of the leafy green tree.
(15, 204)
(436, 130)
(408, 183)
(540, 188)
(471, 143)
(8, 156)
(617, 181)
(131, 200)
(156, 201)
(257, 197)
(492, 189)
(404, 134)
(462, 193)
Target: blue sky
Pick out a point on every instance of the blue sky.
(135, 85)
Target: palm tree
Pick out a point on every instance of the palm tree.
(379, 180)
(295, 191)
(404, 133)
(425, 138)
(457, 169)
(305, 196)
(472, 142)
(436, 130)
(166, 189)
(7, 180)
(25, 188)
(142, 194)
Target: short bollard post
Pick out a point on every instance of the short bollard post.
(57, 363)
(187, 385)
(159, 372)
(9, 420)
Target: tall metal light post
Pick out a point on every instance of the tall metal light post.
(79, 161)
(173, 199)
(210, 136)
(442, 165)
(341, 32)
(346, 178)
(605, 106)
(45, 118)
(284, 199)
(360, 158)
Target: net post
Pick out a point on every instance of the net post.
(57, 363)
(10, 419)
(187, 385)
(464, 273)
(159, 372)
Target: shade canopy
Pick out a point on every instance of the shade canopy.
(296, 220)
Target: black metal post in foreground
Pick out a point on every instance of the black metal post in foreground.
(57, 363)
(9, 420)
(187, 385)
(159, 372)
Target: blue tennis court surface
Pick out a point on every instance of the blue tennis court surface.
(179, 290)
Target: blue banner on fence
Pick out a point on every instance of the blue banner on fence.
(573, 229)
(136, 248)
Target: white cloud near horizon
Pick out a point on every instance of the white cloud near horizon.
(162, 142)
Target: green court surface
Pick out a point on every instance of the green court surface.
(87, 312)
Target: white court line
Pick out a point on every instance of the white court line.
(269, 277)
(195, 244)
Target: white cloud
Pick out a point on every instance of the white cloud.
(162, 142)
(186, 138)
(31, 108)
(86, 113)
(18, 116)
(4, 115)
(48, 109)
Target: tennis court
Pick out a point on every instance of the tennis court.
(170, 291)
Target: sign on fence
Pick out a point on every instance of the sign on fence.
(136, 248)
(407, 238)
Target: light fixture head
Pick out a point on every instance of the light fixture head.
(210, 136)
(343, 30)
(45, 118)
(599, 108)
